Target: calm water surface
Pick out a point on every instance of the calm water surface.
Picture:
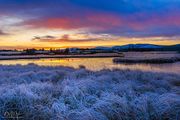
(97, 64)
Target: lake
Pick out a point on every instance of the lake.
(97, 64)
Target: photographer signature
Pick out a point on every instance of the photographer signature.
(12, 115)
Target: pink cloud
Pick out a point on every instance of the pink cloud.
(105, 21)
(101, 21)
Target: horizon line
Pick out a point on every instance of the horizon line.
(65, 47)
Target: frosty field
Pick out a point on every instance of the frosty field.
(64, 93)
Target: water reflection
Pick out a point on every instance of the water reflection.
(97, 64)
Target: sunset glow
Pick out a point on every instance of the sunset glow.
(87, 23)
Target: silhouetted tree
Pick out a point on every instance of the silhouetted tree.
(30, 51)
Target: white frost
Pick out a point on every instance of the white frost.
(56, 93)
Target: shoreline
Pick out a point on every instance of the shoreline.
(146, 61)
(59, 56)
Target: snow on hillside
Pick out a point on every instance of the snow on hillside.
(137, 46)
(64, 93)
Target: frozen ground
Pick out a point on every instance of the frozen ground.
(149, 57)
(98, 55)
(64, 93)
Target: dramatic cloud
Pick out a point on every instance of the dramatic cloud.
(3, 33)
(65, 38)
(48, 37)
(134, 19)
(90, 20)
(123, 18)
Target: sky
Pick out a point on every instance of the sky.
(88, 23)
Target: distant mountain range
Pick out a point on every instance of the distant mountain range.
(142, 47)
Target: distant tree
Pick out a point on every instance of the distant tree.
(30, 51)
(51, 50)
(42, 49)
(66, 51)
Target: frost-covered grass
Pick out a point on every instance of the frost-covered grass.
(64, 93)
(149, 57)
